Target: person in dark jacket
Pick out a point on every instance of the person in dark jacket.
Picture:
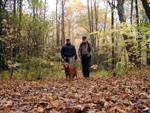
(85, 51)
(68, 54)
(68, 51)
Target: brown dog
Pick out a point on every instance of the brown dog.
(71, 71)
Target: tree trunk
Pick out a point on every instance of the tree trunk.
(3, 64)
(19, 28)
(45, 9)
(148, 51)
(11, 73)
(13, 49)
(89, 15)
(69, 28)
(129, 46)
(57, 26)
(120, 8)
(138, 31)
(96, 22)
(146, 7)
(93, 41)
(96, 14)
(1, 57)
(113, 41)
(131, 14)
(63, 23)
(105, 22)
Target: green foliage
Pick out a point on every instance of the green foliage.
(12, 64)
(102, 73)
(36, 3)
(122, 67)
(36, 67)
(144, 28)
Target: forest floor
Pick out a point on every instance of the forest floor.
(128, 93)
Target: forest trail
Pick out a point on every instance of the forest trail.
(125, 94)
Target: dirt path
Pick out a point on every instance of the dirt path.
(128, 94)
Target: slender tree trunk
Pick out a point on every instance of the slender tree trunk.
(92, 18)
(96, 21)
(63, 23)
(19, 28)
(3, 64)
(96, 14)
(105, 22)
(148, 51)
(131, 14)
(43, 34)
(13, 49)
(14, 8)
(89, 15)
(138, 31)
(137, 12)
(57, 26)
(69, 28)
(146, 7)
(1, 57)
(113, 41)
(1, 11)
(92, 30)
(45, 9)
(11, 73)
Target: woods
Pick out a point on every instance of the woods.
(102, 47)
(120, 38)
(28, 33)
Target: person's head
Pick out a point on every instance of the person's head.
(68, 41)
(84, 39)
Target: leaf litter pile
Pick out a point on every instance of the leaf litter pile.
(126, 94)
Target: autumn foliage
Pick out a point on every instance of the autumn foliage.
(124, 94)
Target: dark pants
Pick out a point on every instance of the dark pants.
(85, 61)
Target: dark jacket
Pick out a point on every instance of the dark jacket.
(68, 50)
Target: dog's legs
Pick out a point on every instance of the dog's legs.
(70, 77)
(67, 77)
(75, 76)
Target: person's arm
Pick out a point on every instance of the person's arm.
(79, 51)
(75, 53)
(90, 48)
(62, 52)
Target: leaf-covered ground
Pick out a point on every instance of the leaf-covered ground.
(126, 94)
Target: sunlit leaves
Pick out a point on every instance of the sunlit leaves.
(36, 3)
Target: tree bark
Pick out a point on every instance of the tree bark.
(146, 7)
(105, 22)
(1, 57)
(19, 28)
(129, 46)
(45, 9)
(120, 7)
(113, 41)
(57, 26)
(138, 31)
(89, 15)
(148, 52)
(96, 22)
(131, 14)
(96, 14)
(63, 23)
